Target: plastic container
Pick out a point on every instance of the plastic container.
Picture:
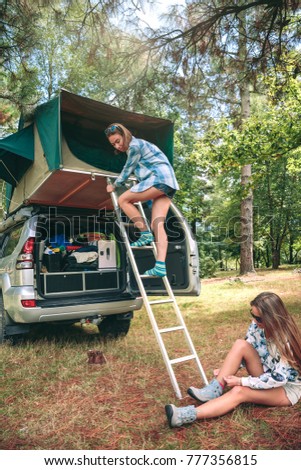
(53, 262)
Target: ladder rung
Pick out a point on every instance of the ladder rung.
(173, 328)
(165, 301)
(145, 247)
(144, 276)
(127, 224)
(182, 359)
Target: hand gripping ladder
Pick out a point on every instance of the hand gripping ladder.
(148, 303)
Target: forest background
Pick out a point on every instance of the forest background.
(227, 73)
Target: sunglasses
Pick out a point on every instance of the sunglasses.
(258, 319)
(112, 129)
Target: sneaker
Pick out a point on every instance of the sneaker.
(178, 416)
(146, 238)
(212, 390)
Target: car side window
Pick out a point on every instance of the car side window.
(11, 241)
(2, 238)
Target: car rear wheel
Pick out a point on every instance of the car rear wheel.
(114, 327)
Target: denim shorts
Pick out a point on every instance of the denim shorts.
(167, 190)
(293, 392)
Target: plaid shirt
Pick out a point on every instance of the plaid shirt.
(149, 164)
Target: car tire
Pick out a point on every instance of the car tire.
(113, 327)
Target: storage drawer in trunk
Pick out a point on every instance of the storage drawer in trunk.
(75, 282)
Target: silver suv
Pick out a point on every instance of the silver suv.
(62, 256)
(68, 265)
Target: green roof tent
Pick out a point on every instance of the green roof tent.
(16, 155)
(62, 156)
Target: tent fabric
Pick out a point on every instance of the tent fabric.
(47, 119)
(16, 155)
(8, 195)
(67, 133)
(34, 177)
(82, 122)
(101, 157)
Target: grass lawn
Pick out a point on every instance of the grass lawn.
(54, 400)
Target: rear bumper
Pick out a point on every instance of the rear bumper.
(64, 309)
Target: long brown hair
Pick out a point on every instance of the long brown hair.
(121, 130)
(280, 326)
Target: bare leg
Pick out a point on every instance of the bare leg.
(240, 351)
(237, 395)
(218, 404)
(226, 403)
(128, 198)
(159, 212)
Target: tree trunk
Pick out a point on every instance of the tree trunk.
(276, 259)
(291, 250)
(267, 257)
(246, 207)
(246, 221)
(220, 257)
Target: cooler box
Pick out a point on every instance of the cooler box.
(107, 254)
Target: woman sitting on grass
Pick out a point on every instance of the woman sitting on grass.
(271, 354)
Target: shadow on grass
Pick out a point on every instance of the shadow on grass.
(60, 334)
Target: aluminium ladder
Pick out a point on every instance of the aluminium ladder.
(159, 332)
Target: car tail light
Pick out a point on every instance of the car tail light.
(28, 246)
(29, 303)
(25, 258)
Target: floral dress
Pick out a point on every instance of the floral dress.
(277, 372)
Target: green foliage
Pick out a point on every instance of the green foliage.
(277, 197)
(74, 45)
(194, 80)
(208, 266)
(271, 140)
(194, 186)
(273, 130)
(274, 133)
